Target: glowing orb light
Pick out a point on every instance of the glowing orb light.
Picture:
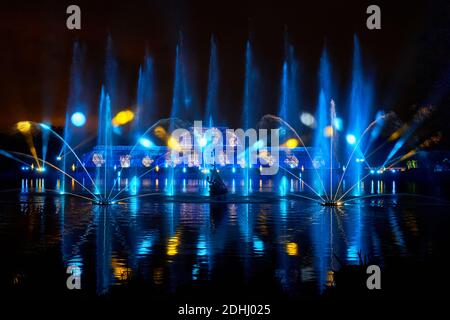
(173, 144)
(123, 117)
(328, 131)
(291, 143)
(338, 124)
(78, 119)
(145, 142)
(307, 119)
(24, 126)
(351, 139)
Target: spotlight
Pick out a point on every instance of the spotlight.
(122, 117)
(145, 142)
(351, 139)
(233, 170)
(23, 126)
(307, 119)
(338, 124)
(203, 142)
(78, 119)
(372, 171)
(291, 143)
(58, 158)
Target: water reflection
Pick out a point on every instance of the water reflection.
(171, 245)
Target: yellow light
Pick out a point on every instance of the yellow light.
(330, 279)
(172, 245)
(122, 118)
(157, 170)
(74, 167)
(160, 132)
(291, 143)
(121, 272)
(328, 131)
(24, 126)
(173, 144)
(398, 133)
(291, 248)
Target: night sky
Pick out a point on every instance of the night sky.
(408, 58)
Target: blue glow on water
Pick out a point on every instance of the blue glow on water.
(283, 188)
(145, 247)
(258, 245)
(134, 185)
(202, 249)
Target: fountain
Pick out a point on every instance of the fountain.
(335, 166)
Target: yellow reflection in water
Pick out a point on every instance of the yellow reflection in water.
(172, 245)
(158, 275)
(291, 248)
(330, 279)
(120, 271)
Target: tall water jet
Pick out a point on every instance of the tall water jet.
(76, 104)
(212, 105)
(111, 74)
(359, 107)
(289, 91)
(104, 147)
(181, 103)
(248, 110)
(324, 128)
(145, 97)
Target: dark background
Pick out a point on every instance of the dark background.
(408, 59)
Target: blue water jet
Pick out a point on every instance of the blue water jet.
(111, 75)
(104, 143)
(76, 103)
(212, 103)
(249, 109)
(359, 111)
(321, 142)
(145, 101)
(289, 92)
